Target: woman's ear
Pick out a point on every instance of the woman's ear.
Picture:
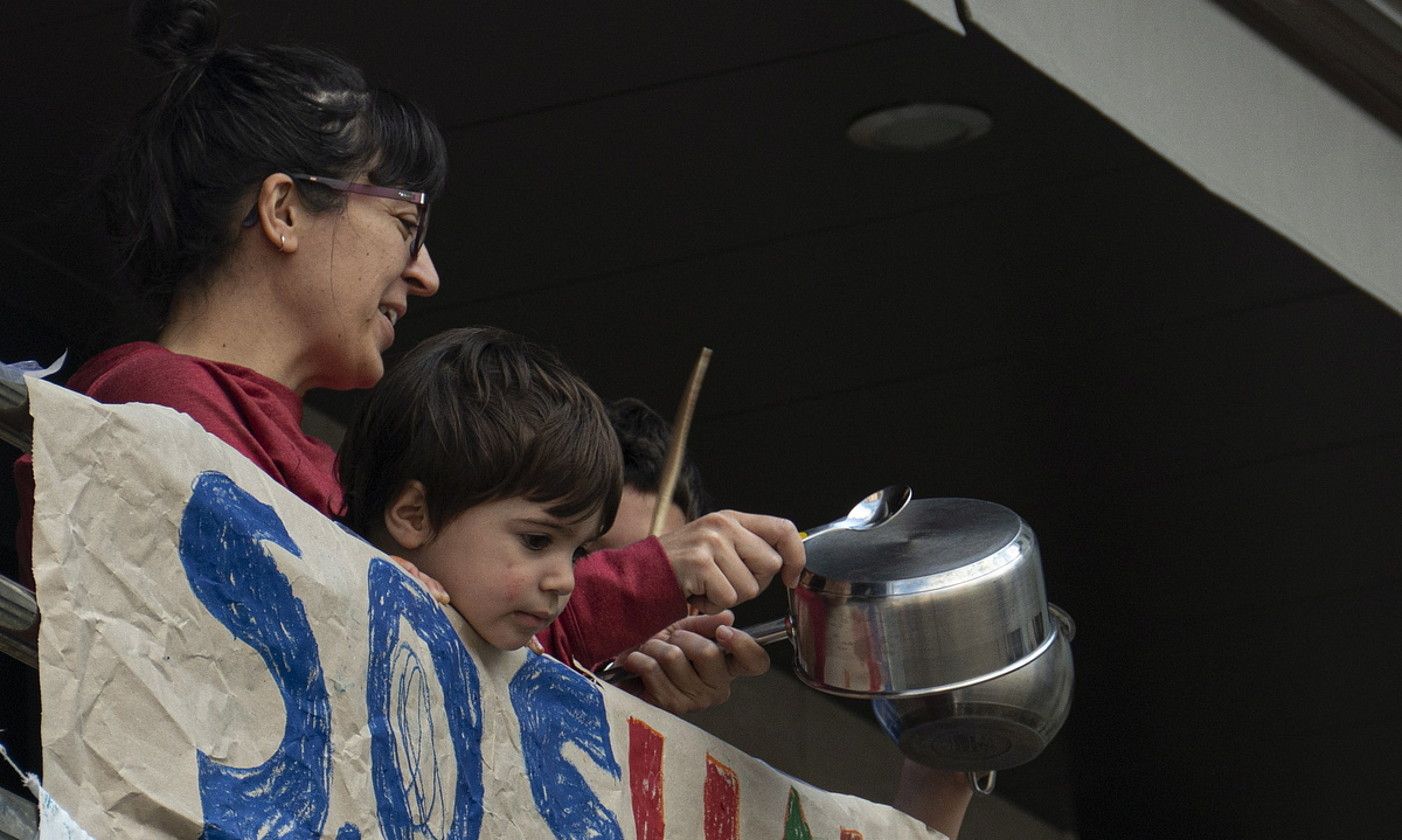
(406, 517)
(279, 209)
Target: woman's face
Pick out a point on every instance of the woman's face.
(359, 281)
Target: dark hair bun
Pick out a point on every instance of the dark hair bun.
(174, 32)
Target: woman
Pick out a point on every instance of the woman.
(273, 209)
(270, 208)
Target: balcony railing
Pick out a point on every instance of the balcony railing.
(18, 609)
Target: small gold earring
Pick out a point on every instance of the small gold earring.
(282, 242)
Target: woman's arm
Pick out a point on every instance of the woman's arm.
(937, 798)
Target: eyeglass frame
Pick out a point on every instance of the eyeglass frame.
(419, 199)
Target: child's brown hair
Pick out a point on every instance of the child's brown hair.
(477, 414)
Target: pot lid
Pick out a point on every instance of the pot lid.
(930, 544)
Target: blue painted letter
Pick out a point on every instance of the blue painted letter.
(405, 764)
(557, 706)
(221, 545)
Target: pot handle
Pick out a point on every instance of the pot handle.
(982, 783)
(769, 632)
(613, 674)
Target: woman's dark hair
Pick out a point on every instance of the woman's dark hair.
(478, 414)
(644, 436)
(230, 117)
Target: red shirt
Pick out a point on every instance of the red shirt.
(620, 599)
(258, 416)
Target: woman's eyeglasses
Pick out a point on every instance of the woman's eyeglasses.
(418, 199)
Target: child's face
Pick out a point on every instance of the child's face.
(508, 566)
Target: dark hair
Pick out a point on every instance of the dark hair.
(644, 436)
(230, 117)
(478, 414)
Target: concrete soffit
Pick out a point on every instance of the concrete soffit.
(1229, 108)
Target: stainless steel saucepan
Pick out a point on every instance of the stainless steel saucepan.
(945, 594)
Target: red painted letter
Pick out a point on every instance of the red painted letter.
(722, 799)
(645, 779)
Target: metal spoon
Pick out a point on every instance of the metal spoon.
(868, 513)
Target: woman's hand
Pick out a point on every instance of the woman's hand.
(728, 557)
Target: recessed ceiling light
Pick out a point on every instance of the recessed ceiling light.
(921, 127)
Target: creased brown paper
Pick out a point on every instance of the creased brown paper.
(217, 659)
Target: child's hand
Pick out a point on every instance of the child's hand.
(683, 670)
(728, 557)
(435, 589)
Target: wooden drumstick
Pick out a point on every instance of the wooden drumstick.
(676, 447)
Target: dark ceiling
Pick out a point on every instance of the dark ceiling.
(1201, 422)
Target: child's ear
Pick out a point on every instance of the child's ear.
(406, 516)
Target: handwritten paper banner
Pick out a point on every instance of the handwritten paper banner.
(219, 660)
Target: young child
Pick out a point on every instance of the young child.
(481, 459)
